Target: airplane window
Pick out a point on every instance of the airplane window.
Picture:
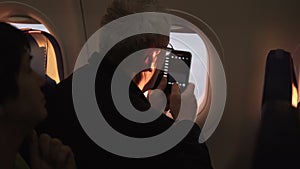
(193, 43)
(45, 49)
(32, 26)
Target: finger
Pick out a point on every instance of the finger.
(62, 155)
(162, 84)
(189, 104)
(44, 143)
(175, 100)
(190, 88)
(175, 89)
(55, 153)
(70, 161)
(33, 146)
(67, 150)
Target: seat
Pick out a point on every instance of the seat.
(278, 140)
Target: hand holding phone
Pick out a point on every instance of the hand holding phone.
(177, 69)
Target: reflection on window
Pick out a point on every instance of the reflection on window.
(31, 26)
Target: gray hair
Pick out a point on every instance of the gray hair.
(119, 14)
(120, 8)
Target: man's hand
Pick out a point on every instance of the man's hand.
(157, 97)
(183, 106)
(48, 153)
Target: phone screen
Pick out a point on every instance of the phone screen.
(177, 64)
(176, 68)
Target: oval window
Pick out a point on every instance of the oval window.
(47, 54)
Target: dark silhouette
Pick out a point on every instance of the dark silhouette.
(22, 107)
(278, 141)
(63, 122)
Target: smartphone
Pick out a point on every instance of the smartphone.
(176, 68)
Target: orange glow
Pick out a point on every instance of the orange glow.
(148, 74)
(34, 32)
(294, 96)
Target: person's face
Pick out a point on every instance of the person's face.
(154, 60)
(29, 105)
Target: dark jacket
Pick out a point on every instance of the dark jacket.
(62, 123)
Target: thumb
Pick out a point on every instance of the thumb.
(189, 89)
(158, 100)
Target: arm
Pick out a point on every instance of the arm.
(183, 107)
